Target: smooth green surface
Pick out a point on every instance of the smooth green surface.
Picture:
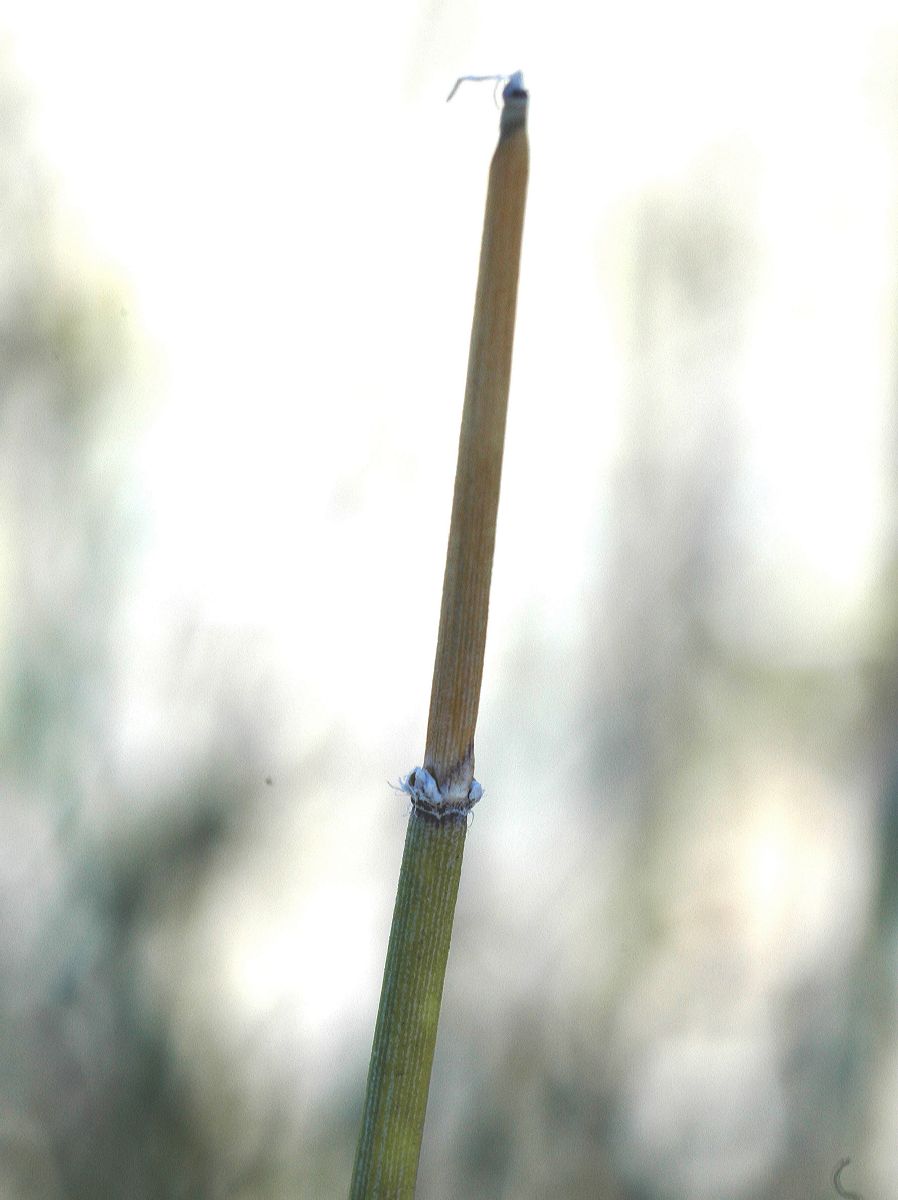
(386, 1164)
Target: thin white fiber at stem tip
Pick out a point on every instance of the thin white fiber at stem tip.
(513, 82)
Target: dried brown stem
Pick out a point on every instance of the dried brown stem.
(458, 669)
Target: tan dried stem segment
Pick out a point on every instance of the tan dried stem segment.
(458, 669)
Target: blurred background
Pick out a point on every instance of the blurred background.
(238, 250)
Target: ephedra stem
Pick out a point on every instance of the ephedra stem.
(444, 790)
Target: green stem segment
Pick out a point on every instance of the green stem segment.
(386, 1163)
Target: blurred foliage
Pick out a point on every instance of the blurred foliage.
(94, 1105)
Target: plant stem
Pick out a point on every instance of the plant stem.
(389, 1147)
(458, 669)
(405, 1036)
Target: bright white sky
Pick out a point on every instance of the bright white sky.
(296, 213)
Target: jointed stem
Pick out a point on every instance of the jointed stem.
(389, 1146)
